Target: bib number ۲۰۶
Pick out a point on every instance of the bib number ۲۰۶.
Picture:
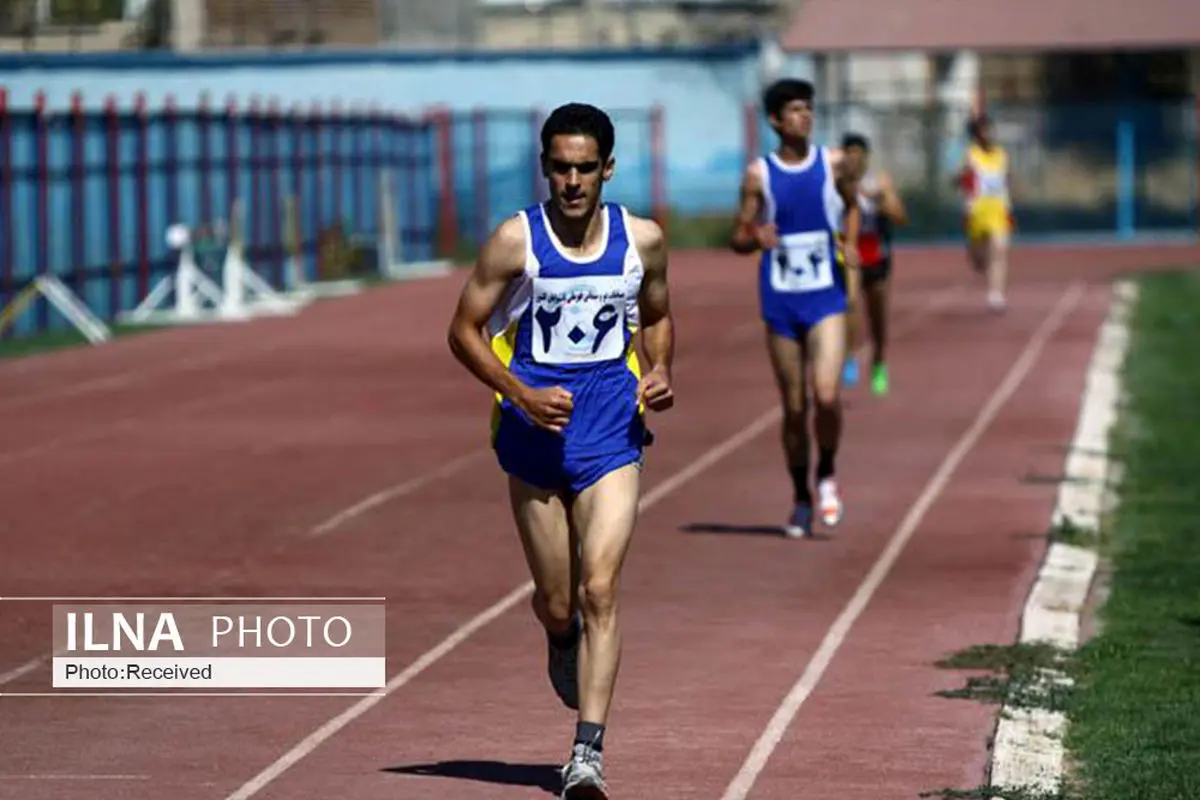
(578, 320)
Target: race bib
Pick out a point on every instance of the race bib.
(991, 184)
(578, 320)
(802, 262)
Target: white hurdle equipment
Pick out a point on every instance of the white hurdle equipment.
(242, 295)
(64, 301)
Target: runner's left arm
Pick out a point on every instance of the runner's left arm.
(654, 309)
(847, 187)
(890, 201)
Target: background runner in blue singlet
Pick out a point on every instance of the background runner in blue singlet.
(567, 290)
(793, 204)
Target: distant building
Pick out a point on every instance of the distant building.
(508, 24)
(1010, 51)
(1094, 98)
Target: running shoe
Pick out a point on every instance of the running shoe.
(830, 502)
(850, 372)
(879, 379)
(583, 775)
(800, 523)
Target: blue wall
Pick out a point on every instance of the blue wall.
(93, 193)
(703, 94)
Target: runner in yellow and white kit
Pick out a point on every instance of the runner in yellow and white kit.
(984, 180)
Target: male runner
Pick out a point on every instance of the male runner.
(881, 209)
(793, 203)
(563, 288)
(983, 178)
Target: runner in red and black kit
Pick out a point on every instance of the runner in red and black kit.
(882, 209)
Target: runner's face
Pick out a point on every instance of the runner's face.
(857, 161)
(984, 133)
(576, 173)
(796, 120)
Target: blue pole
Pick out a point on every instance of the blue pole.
(1126, 176)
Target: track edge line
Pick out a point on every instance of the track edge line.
(1028, 751)
(743, 782)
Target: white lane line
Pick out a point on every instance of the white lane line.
(756, 761)
(396, 491)
(17, 672)
(314, 740)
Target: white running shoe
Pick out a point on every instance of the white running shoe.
(583, 775)
(829, 504)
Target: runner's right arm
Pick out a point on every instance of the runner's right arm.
(958, 179)
(747, 233)
(501, 259)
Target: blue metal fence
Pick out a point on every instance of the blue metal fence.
(88, 195)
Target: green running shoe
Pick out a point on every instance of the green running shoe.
(879, 379)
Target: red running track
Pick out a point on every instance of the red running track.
(342, 453)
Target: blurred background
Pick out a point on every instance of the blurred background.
(340, 122)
